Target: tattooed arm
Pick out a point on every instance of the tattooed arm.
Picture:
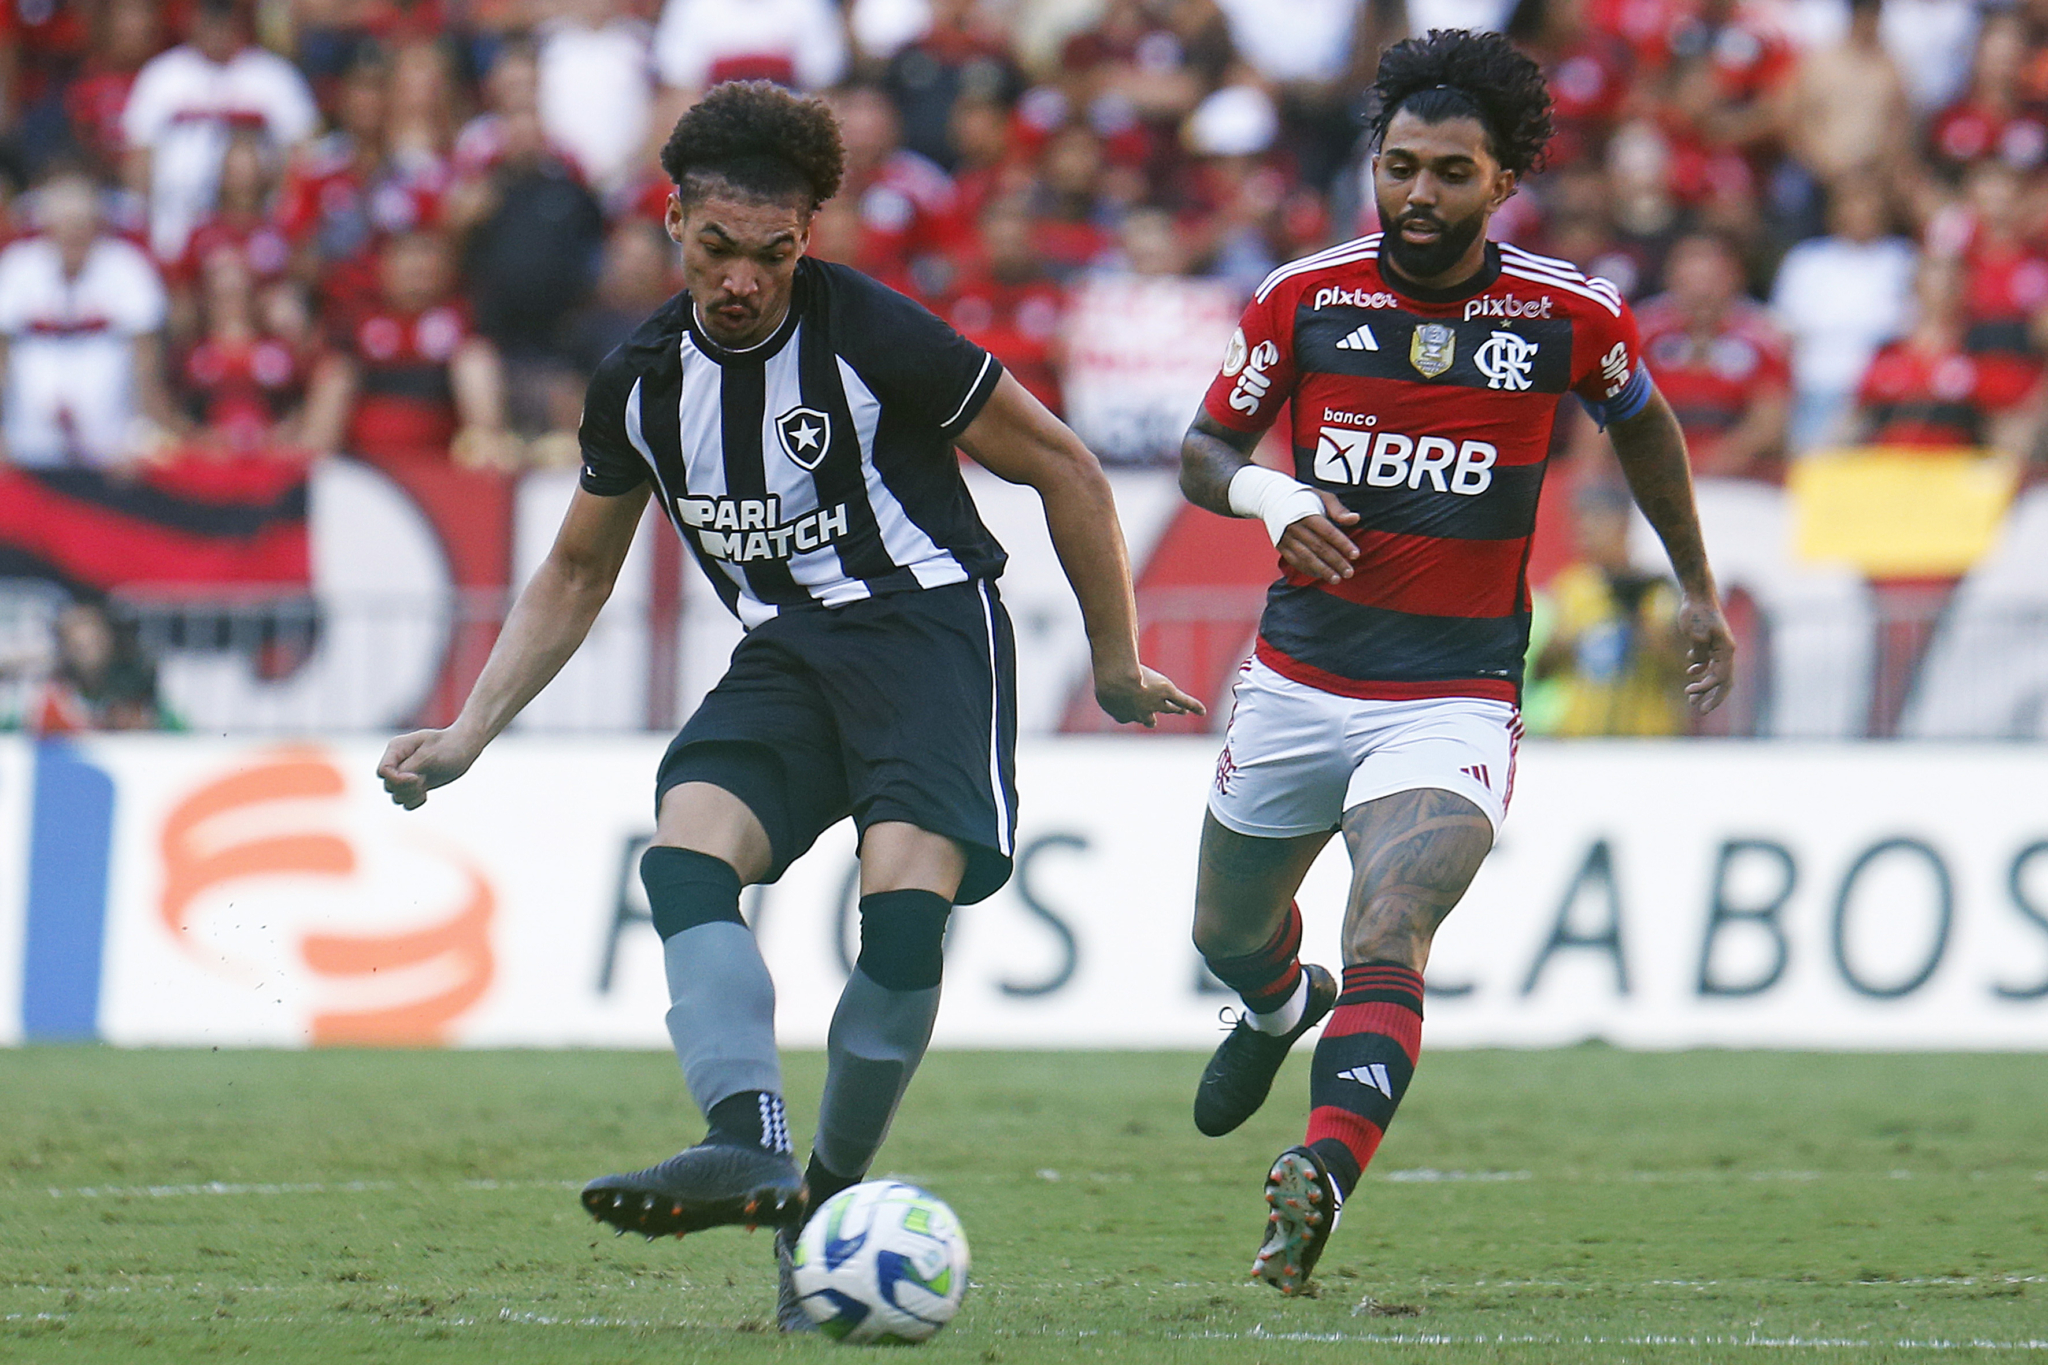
(1652, 452)
(1211, 455)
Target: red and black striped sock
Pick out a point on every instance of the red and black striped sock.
(1266, 978)
(1363, 1064)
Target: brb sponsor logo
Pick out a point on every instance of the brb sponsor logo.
(745, 530)
(1249, 364)
(1389, 459)
(1354, 298)
(1508, 308)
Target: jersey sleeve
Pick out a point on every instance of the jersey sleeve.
(611, 466)
(1612, 380)
(1257, 377)
(915, 363)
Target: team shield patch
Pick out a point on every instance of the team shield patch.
(806, 435)
(1432, 349)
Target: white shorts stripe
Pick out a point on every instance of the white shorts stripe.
(995, 724)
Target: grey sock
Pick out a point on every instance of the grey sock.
(722, 1018)
(878, 1037)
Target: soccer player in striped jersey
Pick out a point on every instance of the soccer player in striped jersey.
(797, 422)
(1424, 366)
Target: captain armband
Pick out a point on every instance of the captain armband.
(1632, 398)
(1273, 498)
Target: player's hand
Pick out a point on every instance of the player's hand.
(1710, 653)
(1314, 546)
(1142, 696)
(415, 764)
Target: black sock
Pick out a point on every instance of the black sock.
(823, 1183)
(750, 1118)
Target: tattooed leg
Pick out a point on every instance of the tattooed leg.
(1412, 856)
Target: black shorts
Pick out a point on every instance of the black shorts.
(899, 707)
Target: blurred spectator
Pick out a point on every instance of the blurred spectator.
(596, 88)
(81, 318)
(183, 106)
(100, 678)
(1143, 67)
(909, 214)
(958, 53)
(408, 380)
(1590, 71)
(1926, 389)
(989, 158)
(1241, 217)
(1838, 298)
(1139, 333)
(535, 234)
(129, 33)
(1072, 221)
(637, 276)
(1992, 231)
(1613, 661)
(241, 386)
(1719, 361)
(1848, 105)
(41, 45)
(1993, 118)
(1722, 90)
(240, 222)
(698, 43)
(1006, 303)
(419, 119)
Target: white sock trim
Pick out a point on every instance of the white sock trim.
(1287, 1016)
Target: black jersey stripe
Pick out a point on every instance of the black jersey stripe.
(743, 408)
(840, 477)
(1357, 641)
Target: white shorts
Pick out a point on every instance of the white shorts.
(1295, 757)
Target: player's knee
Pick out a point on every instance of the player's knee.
(686, 888)
(903, 939)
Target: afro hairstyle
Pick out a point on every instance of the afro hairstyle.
(1454, 73)
(758, 139)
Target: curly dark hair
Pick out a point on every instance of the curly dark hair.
(1455, 73)
(759, 139)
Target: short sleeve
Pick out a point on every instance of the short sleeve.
(141, 306)
(1257, 376)
(143, 117)
(917, 365)
(1612, 380)
(611, 466)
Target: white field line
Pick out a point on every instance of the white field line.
(1648, 1339)
(216, 1187)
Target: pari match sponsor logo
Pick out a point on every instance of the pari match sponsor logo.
(748, 530)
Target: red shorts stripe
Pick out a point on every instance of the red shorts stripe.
(1485, 689)
(1360, 1135)
(1432, 575)
(1398, 1022)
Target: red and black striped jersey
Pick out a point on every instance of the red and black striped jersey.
(1429, 413)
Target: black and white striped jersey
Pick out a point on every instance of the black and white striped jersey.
(816, 467)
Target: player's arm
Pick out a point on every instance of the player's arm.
(1016, 439)
(1217, 473)
(546, 624)
(1652, 452)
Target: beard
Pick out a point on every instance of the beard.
(1424, 261)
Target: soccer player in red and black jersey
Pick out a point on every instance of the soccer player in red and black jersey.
(1423, 367)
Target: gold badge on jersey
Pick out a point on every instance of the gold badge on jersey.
(1432, 349)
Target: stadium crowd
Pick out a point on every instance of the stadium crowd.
(243, 235)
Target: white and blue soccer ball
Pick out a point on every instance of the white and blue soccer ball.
(882, 1262)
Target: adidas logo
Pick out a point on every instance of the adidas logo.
(1477, 772)
(1373, 1076)
(1360, 340)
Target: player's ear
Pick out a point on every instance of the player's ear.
(672, 217)
(1505, 183)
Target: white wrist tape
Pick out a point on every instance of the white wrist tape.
(1273, 498)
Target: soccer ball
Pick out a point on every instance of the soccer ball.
(882, 1262)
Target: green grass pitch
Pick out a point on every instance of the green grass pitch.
(1580, 1205)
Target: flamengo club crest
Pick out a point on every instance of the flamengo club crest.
(1432, 349)
(1504, 359)
(806, 435)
